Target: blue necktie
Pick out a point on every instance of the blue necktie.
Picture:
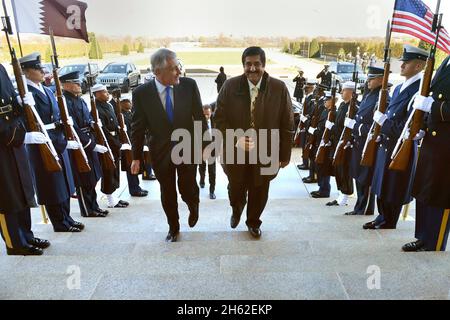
(169, 105)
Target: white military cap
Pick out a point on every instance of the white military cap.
(411, 52)
(31, 61)
(98, 87)
(348, 85)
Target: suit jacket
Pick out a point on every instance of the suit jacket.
(433, 174)
(390, 185)
(149, 114)
(15, 174)
(51, 187)
(273, 111)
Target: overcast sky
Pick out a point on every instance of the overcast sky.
(290, 18)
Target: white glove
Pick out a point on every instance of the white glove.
(329, 125)
(100, 149)
(70, 121)
(28, 99)
(377, 140)
(125, 146)
(379, 117)
(423, 103)
(419, 135)
(349, 123)
(348, 145)
(35, 138)
(323, 144)
(146, 149)
(303, 118)
(73, 145)
(311, 130)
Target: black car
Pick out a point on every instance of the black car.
(120, 75)
(84, 71)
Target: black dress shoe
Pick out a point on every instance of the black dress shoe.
(39, 243)
(126, 204)
(78, 225)
(302, 167)
(70, 229)
(140, 194)
(255, 232)
(105, 212)
(318, 195)
(212, 196)
(415, 246)
(25, 251)
(351, 213)
(120, 205)
(202, 184)
(309, 180)
(370, 225)
(172, 236)
(193, 215)
(235, 217)
(332, 203)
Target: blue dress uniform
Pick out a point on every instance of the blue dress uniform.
(53, 189)
(365, 203)
(84, 182)
(17, 195)
(309, 105)
(431, 184)
(393, 188)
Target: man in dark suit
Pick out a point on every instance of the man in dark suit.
(161, 106)
(256, 103)
(221, 78)
(17, 195)
(205, 164)
(53, 189)
(393, 187)
(432, 174)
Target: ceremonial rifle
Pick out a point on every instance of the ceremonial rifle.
(126, 154)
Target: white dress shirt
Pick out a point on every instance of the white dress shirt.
(162, 93)
(37, 86)
(410, 81)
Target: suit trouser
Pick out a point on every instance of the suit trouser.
(211, 174)
(133, 183)
(187, 186)
(312, 169)
(87, 200)
(432, 226)
(390, 212)
(59, 215)
(257, 196)
(14, 232)
(366, 200)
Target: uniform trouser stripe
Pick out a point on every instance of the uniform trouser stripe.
(442, 230)
(5, 231)
(86, 211)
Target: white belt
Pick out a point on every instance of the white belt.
(50, 126)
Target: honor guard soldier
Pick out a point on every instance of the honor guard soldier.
(432, 174)
(53, 189)
(133, 180)
(324, 170)
(361, 126)
(17, 196)
(393, 187)
(84, 182)
(299, 85)
(344, 180)
(107, 115)
(325, 76)
(305, 118)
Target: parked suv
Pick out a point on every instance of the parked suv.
(120, 75)
(344, 73)
(84, 71)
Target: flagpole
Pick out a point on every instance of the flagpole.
(15, 22)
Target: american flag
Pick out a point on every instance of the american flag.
(413, 17)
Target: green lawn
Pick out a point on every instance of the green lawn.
(206, 58)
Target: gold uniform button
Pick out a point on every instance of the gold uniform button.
(7, 118)
(431, 93)
(440, 96)
(434, 133)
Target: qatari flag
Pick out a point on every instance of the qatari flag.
(65, 17)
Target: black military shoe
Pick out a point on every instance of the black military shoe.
(302, 167)
(255, 232)
(309, 180)
(373, 225)
(332, 203)
(70, 229)
(415, 246)
(193, 215)
(39, 243)
(351, 213)
(212, 196)
(202, 184)
(140, 193)
(318, 195)
(25, 251)
(78, 225)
